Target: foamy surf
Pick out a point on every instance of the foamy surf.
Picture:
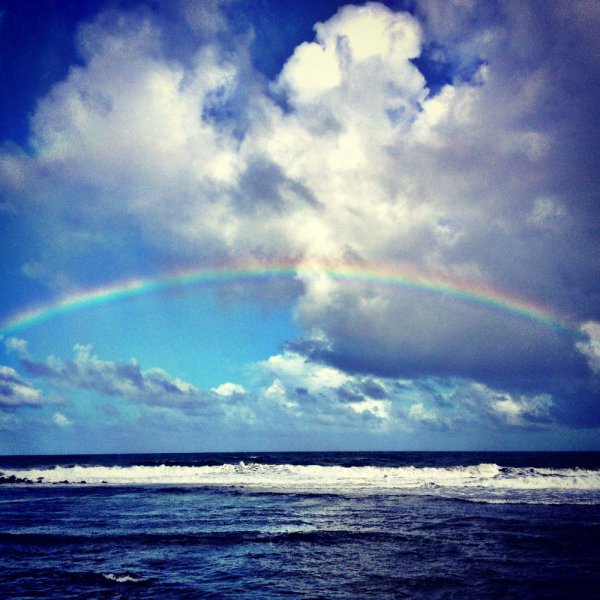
(122, 578)
(441, 481)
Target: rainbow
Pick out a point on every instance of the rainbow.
(403, 278)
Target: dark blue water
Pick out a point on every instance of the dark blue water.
(302, 525)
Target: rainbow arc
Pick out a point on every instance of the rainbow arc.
(402, 278)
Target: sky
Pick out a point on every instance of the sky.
(234, 225)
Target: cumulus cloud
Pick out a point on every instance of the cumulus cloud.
(317, 393)
(348, 156)
(229, 389)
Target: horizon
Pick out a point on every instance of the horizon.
(302, 226)
(235, 452)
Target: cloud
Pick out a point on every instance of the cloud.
(18, 346)
(427, 417)
(60, 420)
(412, 334)
(298, 393)
(16, 392)
(591, 347)
(154, 387)
(468, 189)
(8, 421)
(348, 156)
(312, 392)
(297, 371)
(206, 18)
(229, 389)
(505, 408)
(292, 395)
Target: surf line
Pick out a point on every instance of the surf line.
(394, 277)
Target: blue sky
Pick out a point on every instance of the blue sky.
(454, 143)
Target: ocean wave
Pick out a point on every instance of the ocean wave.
(316, 478)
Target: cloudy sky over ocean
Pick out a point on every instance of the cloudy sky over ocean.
(251, 224)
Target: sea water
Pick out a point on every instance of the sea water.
(301, 525)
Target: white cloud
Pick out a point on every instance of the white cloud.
(547, 213)
(229, 389)
(61, 420)
(370, 37)
(128, 128)
(276, 394)
(591, 348)
(418, 412)
(312, 70)
(297, 371)
(308, 391)
(378, 408)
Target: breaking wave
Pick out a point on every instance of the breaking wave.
(496, 480)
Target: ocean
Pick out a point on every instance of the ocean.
(301, 525)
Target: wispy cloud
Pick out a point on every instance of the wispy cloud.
(61, 420)
(153, 387)
(17, 345)
(16, 391)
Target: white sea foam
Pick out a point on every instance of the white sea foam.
(122, 579)
(315, 478)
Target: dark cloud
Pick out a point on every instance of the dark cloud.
(579, 404)
(511, 166)
(38, 369)
(441, 337)
(264, 187)
(373, 389)
(542, 82)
